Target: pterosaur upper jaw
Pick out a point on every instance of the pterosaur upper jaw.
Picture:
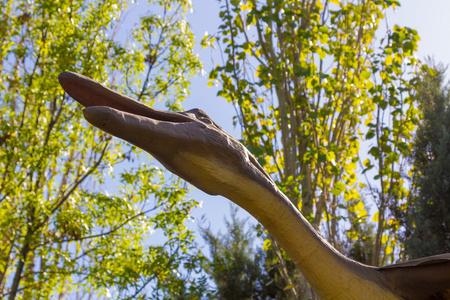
(91, 93)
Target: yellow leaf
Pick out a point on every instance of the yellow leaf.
(210, 84)
(319, 5)
(362, 213)
(353, 235)
(369, 119)
(339, 187)
(375, 217)
(244, 7)
(327, 217)
(359, 205)
(360, 134)
(365, 74)
(389, 250)
(248, 5)
(384, 239)
(389, 60)
(323, 38)
(267, 244)
(321, 53)
(330, 156)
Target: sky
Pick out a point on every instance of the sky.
(430, 18)
(205, 18)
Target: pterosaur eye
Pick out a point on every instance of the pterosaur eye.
(202, 116)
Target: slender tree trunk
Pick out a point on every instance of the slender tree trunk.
(3, 272)
(28, 293)
(292, 291)
(20, 266)
(380, 228)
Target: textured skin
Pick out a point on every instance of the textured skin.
(195, 148)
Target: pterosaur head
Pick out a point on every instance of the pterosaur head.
(189, 144)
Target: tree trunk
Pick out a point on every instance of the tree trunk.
(20, 266)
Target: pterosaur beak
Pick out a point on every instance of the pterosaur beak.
(170, 137)
(158, 132)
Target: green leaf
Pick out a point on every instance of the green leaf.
(365, 74)
(338, 188)
(323, 29)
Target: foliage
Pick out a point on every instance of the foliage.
(316, 98)
(427, 218)
(236, 267)
(59, 233)
(360, 246)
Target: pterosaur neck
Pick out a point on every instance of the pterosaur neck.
(332, 275)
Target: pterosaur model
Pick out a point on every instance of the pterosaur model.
(194, 147)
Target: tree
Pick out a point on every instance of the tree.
(60, 233)
(236, 266)
(360, 245)
(427, 217)
(305, 76)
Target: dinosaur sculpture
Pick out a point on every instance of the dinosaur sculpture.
(194, 147)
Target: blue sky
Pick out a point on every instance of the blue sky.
(430, 18)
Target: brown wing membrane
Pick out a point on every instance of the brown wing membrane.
(423, 278)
